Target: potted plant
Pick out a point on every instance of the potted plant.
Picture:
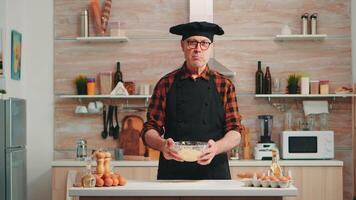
(81, 84)
(2, 93)
(293, 81)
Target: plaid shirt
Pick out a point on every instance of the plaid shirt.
(157, 106)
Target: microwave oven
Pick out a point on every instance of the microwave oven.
(307, 144)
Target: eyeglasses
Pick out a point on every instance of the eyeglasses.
(192, 44)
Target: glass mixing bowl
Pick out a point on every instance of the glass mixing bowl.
(189, 151)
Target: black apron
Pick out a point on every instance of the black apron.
(194, 112)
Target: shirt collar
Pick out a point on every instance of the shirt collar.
(186, 73)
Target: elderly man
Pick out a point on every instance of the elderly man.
(194, 103)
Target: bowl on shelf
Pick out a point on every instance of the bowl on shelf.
(189, 151)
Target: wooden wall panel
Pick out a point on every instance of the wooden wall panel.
(266, 18)
(330, 59)
(140, 18)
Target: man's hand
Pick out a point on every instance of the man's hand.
(168, 152)
(208, 153)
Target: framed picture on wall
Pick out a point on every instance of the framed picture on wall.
(16, 55)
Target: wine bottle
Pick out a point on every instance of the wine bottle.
(259, 79)
(118, 74)
(268, 82)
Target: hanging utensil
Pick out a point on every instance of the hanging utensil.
(111, 119)
(117, 127)
(104, 133)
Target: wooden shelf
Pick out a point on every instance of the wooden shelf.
(269, 96)
(103, 96)
(304, 96)
(300, 37)
(103, 39)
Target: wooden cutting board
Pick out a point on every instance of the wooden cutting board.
(129, 138)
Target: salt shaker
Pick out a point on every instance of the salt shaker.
(313, 22)
(305, 18)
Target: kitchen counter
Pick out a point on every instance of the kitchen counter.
(232, 163)
(183, 188)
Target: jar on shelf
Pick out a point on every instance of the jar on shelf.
(314, 87)
(324, 86)
(91, 86)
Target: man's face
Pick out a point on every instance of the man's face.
(196, 50)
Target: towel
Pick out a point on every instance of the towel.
(119, 90)
(315, 107)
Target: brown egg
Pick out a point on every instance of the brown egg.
(99, 182)
(115, 181)
(283, 178)
(122, 181)
(108, 182)
(117, 173)
(273, 178)
(259, 175)
(289, 178)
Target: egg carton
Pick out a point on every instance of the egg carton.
(266, 183)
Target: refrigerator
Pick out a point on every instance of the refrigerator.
(13, 149)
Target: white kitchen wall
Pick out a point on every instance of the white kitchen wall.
(14, 20)
(38, 76)
(2, 35)
(34, 19)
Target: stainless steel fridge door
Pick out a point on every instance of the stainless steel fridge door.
(16, 174)
(2, 150)
(15, 123)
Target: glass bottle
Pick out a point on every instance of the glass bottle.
(118, 74)
(275, 167)
(88, 179)
(259, 79)
(91, 86)
(268, 82)
(288, 121)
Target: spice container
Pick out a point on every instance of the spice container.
(324, 86)
(314, 87)
(84, 28)
(313, 22)
(105, 82)
(115, 29)
(91, 86)
(305, 85)
(305, 22)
